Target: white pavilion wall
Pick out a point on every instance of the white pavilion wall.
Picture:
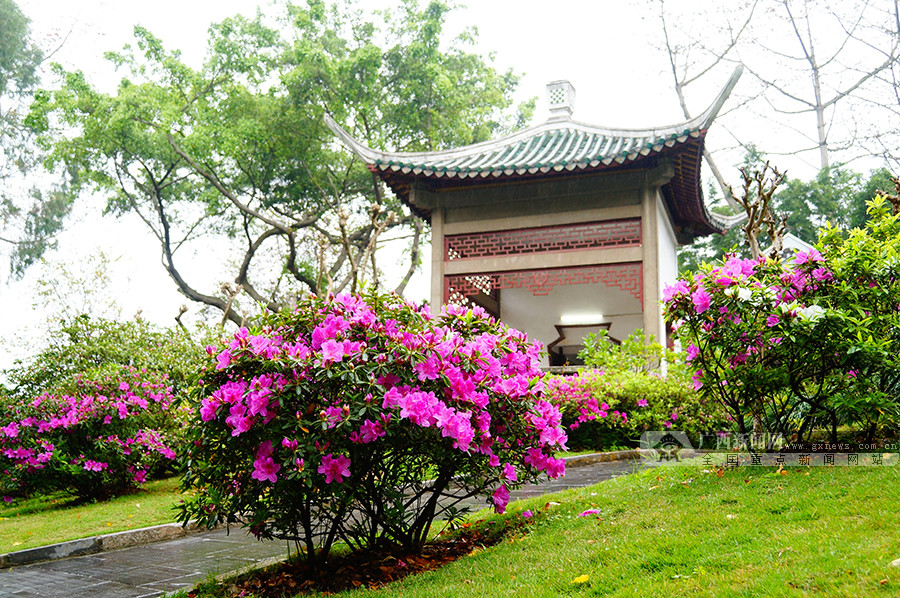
(667, 258)
(538, 315)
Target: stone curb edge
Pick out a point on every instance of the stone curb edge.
(171, 531)
(592, 458)
(95, 544)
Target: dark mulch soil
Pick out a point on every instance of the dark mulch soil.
(370, 568)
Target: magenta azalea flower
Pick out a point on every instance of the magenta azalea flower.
(332, 351)
(332, 415)
(420, 408)
(263, 345)
(692, 352)
(822, 274)
(808, 256)
(11, 430)
(697, 379)
(500, 499)
(237, 419)
(334, 469)
(429, 369)
(678, 288)
(208, 408)
(231, 392)
(223, 360)
(556, 468)
(265, 468)
(701, 300)
(457, 426)
(370, 431)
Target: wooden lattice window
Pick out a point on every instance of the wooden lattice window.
(627, 276)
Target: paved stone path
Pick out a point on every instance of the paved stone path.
(155, 569)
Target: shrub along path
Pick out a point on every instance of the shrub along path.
(154, 569)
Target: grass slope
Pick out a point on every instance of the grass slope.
(46, 520)
(689, 532)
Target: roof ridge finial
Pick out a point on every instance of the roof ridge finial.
(561, 96)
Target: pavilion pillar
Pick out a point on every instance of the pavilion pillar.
(653, 323)
(437, 259)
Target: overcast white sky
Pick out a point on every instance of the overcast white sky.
(596, 44)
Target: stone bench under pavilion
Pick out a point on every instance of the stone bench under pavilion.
(560, 229)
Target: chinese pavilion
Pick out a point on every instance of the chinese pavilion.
(562, 228)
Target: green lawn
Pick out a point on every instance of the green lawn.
(687, 532)
(683, 532)
(47, 519)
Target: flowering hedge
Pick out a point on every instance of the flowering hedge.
(106, 436)
(362, 419)
(610, 409)
(92, 347)
(786, 343)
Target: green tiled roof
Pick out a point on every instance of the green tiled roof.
(552, 146)
(557, 146)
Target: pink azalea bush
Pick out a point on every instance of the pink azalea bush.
(102, 438)
(753, 328)
(812, 341)
(610, 409)
(363, 418)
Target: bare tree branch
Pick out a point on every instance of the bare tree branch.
(225, 192)
(414, 252)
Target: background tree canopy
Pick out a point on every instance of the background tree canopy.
(836, 197)
(238, 148)
(29, 216)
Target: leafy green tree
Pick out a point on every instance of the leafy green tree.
(837, 197)
(86, 347)
(238, 149)
(18, 56)
(30, 214)
(634, 354)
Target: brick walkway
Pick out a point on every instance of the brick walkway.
(154, 569)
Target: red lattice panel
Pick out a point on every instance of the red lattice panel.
(627, 277)
(591, 235)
